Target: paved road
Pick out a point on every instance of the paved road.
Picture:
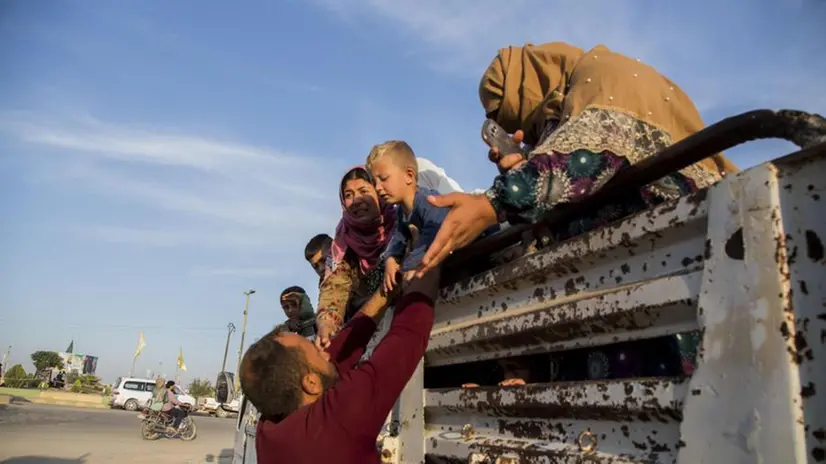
(34, 434)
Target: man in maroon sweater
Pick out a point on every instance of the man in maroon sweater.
(317, 406)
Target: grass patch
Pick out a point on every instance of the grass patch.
(21, 392)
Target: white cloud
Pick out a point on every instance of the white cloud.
(228, 202)
(125, 235)
(170, 189)
(84, 134)
(463, 36)
(724, 54)
(173, 237)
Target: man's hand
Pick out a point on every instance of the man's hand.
(507, 161)
(468, 217)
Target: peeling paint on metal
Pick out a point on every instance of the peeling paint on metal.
(742, 261)
(666, 303)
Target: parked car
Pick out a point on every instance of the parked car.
(213, 407)
(131, 393)
(228, 399)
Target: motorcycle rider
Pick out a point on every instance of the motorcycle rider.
(170, 404)
(158, 393)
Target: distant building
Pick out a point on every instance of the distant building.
(77, 363)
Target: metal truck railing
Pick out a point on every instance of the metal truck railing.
(742, 262)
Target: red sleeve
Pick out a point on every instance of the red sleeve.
(361, 399)
(348, 346)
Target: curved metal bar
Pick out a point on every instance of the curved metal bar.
(803, 129)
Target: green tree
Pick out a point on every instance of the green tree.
(16, 377)
(77, 386)
(91, 383)
(47, 359)
(200, 388)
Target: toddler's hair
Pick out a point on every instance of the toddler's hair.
(398, 150)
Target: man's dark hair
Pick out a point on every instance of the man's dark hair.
(293, 289)
(320, 242)
(170, 384)
(271, 376)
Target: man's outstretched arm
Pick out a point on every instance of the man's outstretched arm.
(348, 346)
(361, 400)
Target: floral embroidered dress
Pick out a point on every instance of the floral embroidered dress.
(551, 177)
(588, 115)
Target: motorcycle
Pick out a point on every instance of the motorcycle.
(155, 424)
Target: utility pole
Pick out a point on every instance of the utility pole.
(230, 330)
(243, 332)
(5, 365)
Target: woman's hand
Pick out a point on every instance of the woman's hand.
(468, 217)
(512, 382)
(391, 269)
(326, 330)
(507, 161)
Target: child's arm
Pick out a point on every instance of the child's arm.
(431, 218)
(393, 255)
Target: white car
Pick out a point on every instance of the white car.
(219, 410)
(132, 393)
(228, 409)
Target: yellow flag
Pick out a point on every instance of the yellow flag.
(181, 364)
(141, 344)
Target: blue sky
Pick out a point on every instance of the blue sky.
(159, 158)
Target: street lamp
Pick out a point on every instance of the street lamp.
(243, 332)
(230, 330)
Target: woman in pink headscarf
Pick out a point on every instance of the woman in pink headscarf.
(355, 267)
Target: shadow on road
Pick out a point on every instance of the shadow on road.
(15, 400)
(45, 460)
(224, 458)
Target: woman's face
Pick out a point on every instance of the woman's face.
(361, 200)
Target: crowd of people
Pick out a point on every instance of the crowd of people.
(580, 117)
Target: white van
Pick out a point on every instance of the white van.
(131, 393)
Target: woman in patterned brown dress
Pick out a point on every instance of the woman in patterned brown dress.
(583, 116)
(354, 269)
